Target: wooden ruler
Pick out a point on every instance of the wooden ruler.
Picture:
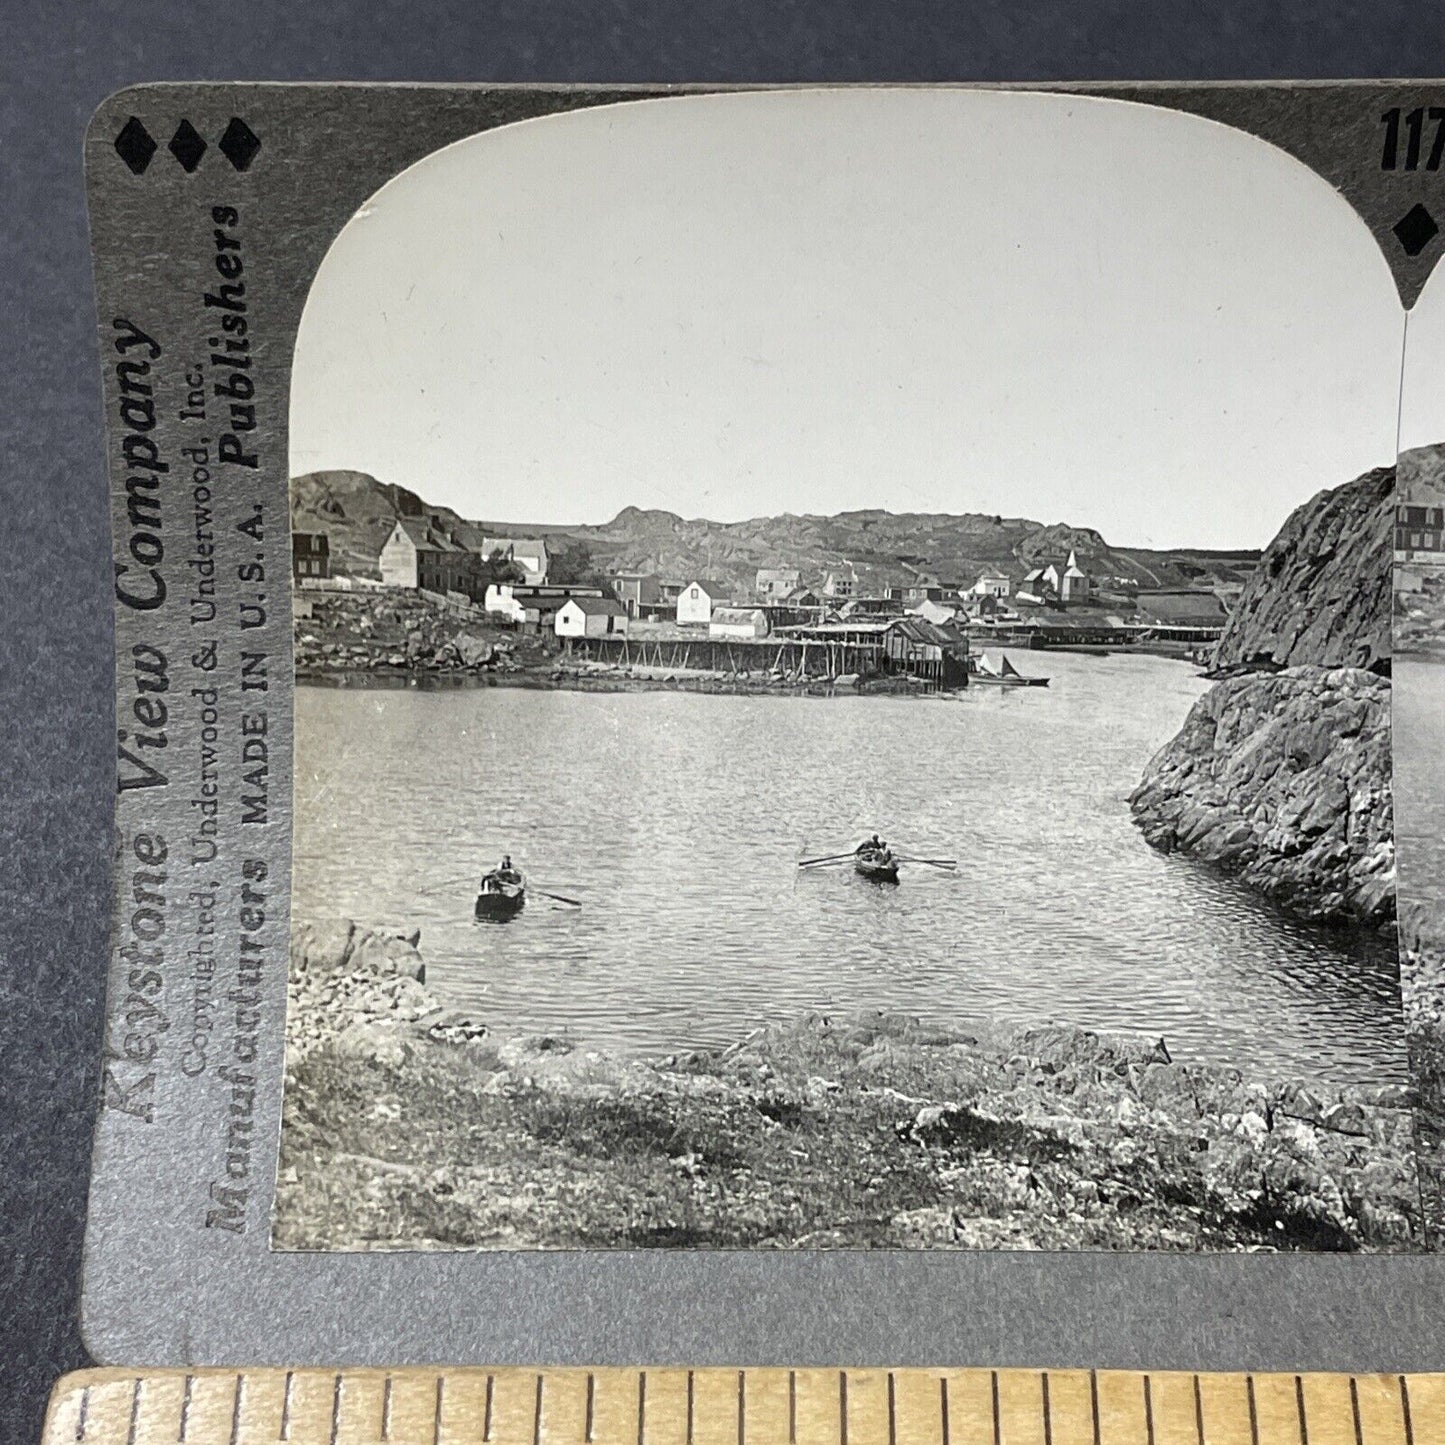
(417, 1406)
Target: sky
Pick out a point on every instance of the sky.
(1074, 310)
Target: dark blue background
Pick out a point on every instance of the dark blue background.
(57, 61)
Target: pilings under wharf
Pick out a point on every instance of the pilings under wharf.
(795, 659)
(791, 658)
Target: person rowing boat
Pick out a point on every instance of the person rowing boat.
(502, 892)
(874, 859)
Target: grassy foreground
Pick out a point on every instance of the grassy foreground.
(407, 1126)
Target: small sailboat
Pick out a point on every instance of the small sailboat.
(994, 669)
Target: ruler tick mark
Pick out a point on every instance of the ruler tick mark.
(537, 1415)
(386, 1409)
(792, 1409)
(1355, 1410)
(236, 1409)
(742, 1406)
(1405, 1411)
(487, 1410)
(997, 1423)
(843, 1407)
(437, 1417)
(1198, 1411)
(186, 1408)
(1148, 1410)
(1253, 1410)
(641, 1406)
(134, 1411)
(335, 1409)
(286, 1404)
(689, 1407)
(591, 1394)
(1299, 1404)
(892, 1410)
(1048, 1414)
(943, 1407)
(81, 1413)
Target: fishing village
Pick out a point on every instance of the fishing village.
(442, 598)
(413, 1121)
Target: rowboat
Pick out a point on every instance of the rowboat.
(879, 867)
(1000, 672)
(502, 895)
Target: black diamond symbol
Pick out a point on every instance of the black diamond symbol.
(134, 145)
(239, 144)
(187, 146)
(1416, 229)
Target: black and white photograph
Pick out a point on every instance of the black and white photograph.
(843, 658)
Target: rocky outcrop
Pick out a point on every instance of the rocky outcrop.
(1321, 593)
(397, 631)
(1282, 772)
(364, 993)
(873, 1131)
(1284, 778)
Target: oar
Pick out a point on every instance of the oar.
(445, 883)
(836, 858)
(560, 899)
(933, 862)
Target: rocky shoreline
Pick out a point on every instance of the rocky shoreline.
(409, 1125)
(1284, 778)
(1282, 772)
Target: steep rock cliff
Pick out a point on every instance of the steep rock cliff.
(1321, 593)
(1284, 778)
(1281, 772)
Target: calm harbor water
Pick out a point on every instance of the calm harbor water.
(678, 820)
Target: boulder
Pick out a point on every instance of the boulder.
(375, 1042)
(519, 1053)
(323, 947)
(474, 651)
(386, 957)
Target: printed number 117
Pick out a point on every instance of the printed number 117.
(1414, 134)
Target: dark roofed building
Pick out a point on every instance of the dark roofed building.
(928, 650)
(636, 590)
(422, 552)
(590, 617)
(310, 555)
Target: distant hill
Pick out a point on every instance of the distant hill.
(883, 548)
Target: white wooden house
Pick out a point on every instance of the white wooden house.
(591, 617)
(696, 601)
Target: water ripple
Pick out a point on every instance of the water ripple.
(678, 819)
